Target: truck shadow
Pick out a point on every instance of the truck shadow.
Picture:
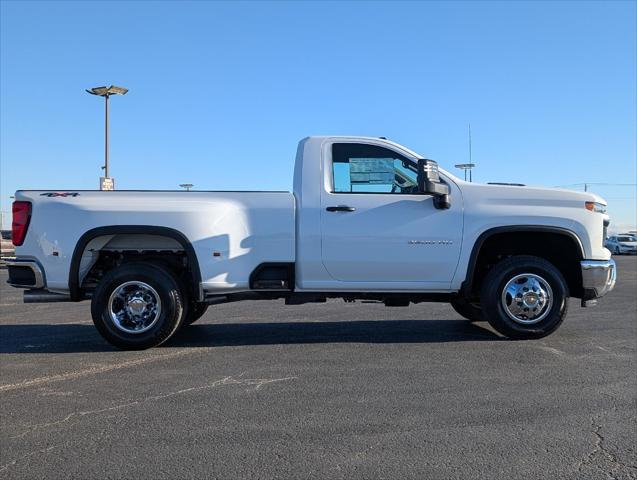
(77, 338)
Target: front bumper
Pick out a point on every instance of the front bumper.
(598, 278)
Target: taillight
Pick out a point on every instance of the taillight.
(21, 219)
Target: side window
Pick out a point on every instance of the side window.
(360, 168)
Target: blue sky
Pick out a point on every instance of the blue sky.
(221, 92)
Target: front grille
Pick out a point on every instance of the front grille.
(605, 235)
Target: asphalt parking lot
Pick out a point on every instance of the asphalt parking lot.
(260, 390)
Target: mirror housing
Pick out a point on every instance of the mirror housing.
(429, 183)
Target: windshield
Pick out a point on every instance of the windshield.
(626, 239)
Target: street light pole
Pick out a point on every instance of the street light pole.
(106, 182)
(106, 138)
(465, 167)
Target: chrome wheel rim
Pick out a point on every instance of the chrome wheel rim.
(134, 307)
(527, 298)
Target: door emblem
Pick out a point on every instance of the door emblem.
(430, 242)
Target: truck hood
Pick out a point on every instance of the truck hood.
(515, 194)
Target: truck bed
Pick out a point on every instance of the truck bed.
(231, 232)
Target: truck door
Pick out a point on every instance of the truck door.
(375, 226)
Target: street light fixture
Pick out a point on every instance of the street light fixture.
(106, 183)
(465, 167)
(187, 186)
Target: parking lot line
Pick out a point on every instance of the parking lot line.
(96, 370)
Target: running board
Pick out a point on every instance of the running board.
(44, 296)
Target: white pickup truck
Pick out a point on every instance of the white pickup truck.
(368, 219)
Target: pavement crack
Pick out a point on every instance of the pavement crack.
(6, 466)
(257, 383)
(601, 454)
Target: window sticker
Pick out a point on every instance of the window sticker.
(371, 170)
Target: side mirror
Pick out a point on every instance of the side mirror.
(429, 183)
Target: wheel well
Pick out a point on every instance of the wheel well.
(100, 250)
(174, 262)
(561, 249)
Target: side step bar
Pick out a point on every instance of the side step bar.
(44, 296)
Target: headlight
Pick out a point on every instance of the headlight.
(595, 207)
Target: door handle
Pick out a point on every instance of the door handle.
(340, 208)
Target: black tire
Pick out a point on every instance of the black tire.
(470, 311)
(165, 323)
(195, 312)
(493, 304)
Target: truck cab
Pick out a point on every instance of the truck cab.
(373, 229)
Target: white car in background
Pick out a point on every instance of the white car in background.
(6, 245)
(622, 244)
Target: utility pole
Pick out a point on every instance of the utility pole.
(106, 182)
(470, 155)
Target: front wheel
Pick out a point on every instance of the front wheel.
(524, 297)
(137, 306)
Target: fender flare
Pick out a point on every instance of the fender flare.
(75, 290)
(467, 285)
